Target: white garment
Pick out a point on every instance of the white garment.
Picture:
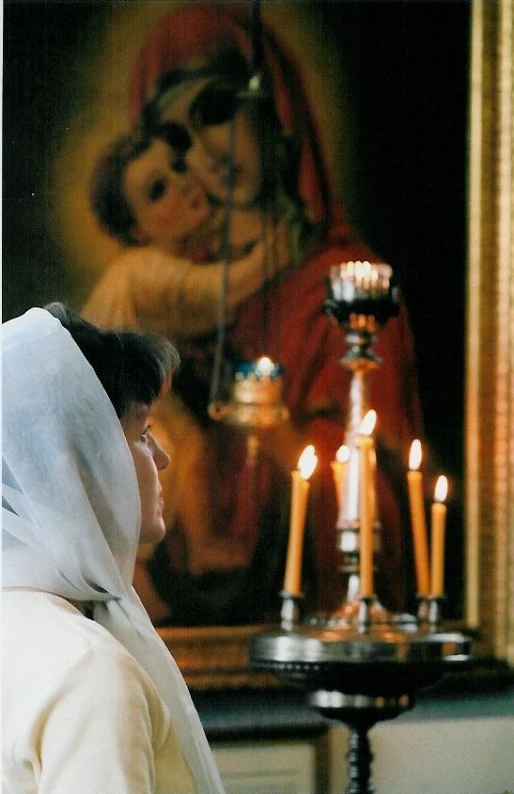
(72, 515)
(92, 723)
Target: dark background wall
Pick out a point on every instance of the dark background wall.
(407, 69)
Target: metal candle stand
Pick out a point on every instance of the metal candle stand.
(361, 674)
(362, 664)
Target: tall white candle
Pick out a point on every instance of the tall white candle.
(299, 496)
(418, 520)
(365, 446)
(438, 535)
(339, 466)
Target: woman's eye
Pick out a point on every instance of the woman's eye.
(157, 190)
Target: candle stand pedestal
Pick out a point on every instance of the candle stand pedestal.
(362, 672)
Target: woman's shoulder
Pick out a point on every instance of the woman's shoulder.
(46, 625)
(88, 699)
(68, 646)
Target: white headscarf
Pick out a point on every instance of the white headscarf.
(72, 514)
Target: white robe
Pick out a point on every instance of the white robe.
(85, 718)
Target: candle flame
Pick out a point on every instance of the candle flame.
(343, 454)
(415, 455)
(265, 365)
(307, 462)
(441, 489)
(368, 423)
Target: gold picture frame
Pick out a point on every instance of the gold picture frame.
(490, 331)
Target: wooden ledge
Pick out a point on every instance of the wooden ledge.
(216, 657)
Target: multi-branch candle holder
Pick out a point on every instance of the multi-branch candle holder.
(362, 664)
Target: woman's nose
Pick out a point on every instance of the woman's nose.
(160, 456)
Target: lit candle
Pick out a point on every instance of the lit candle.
(339, 466)
(438, 530)
(300, 491)
(419, 524)
(365, 446)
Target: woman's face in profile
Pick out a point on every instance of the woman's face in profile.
(205, 108)
(149, 458)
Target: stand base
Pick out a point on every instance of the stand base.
(362, 610)
(360, 674)
(385, 659)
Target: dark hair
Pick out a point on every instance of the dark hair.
(132, 366)
(107, 195)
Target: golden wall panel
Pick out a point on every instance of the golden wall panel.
(490, 331)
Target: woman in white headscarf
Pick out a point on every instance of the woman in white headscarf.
(93, 702)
